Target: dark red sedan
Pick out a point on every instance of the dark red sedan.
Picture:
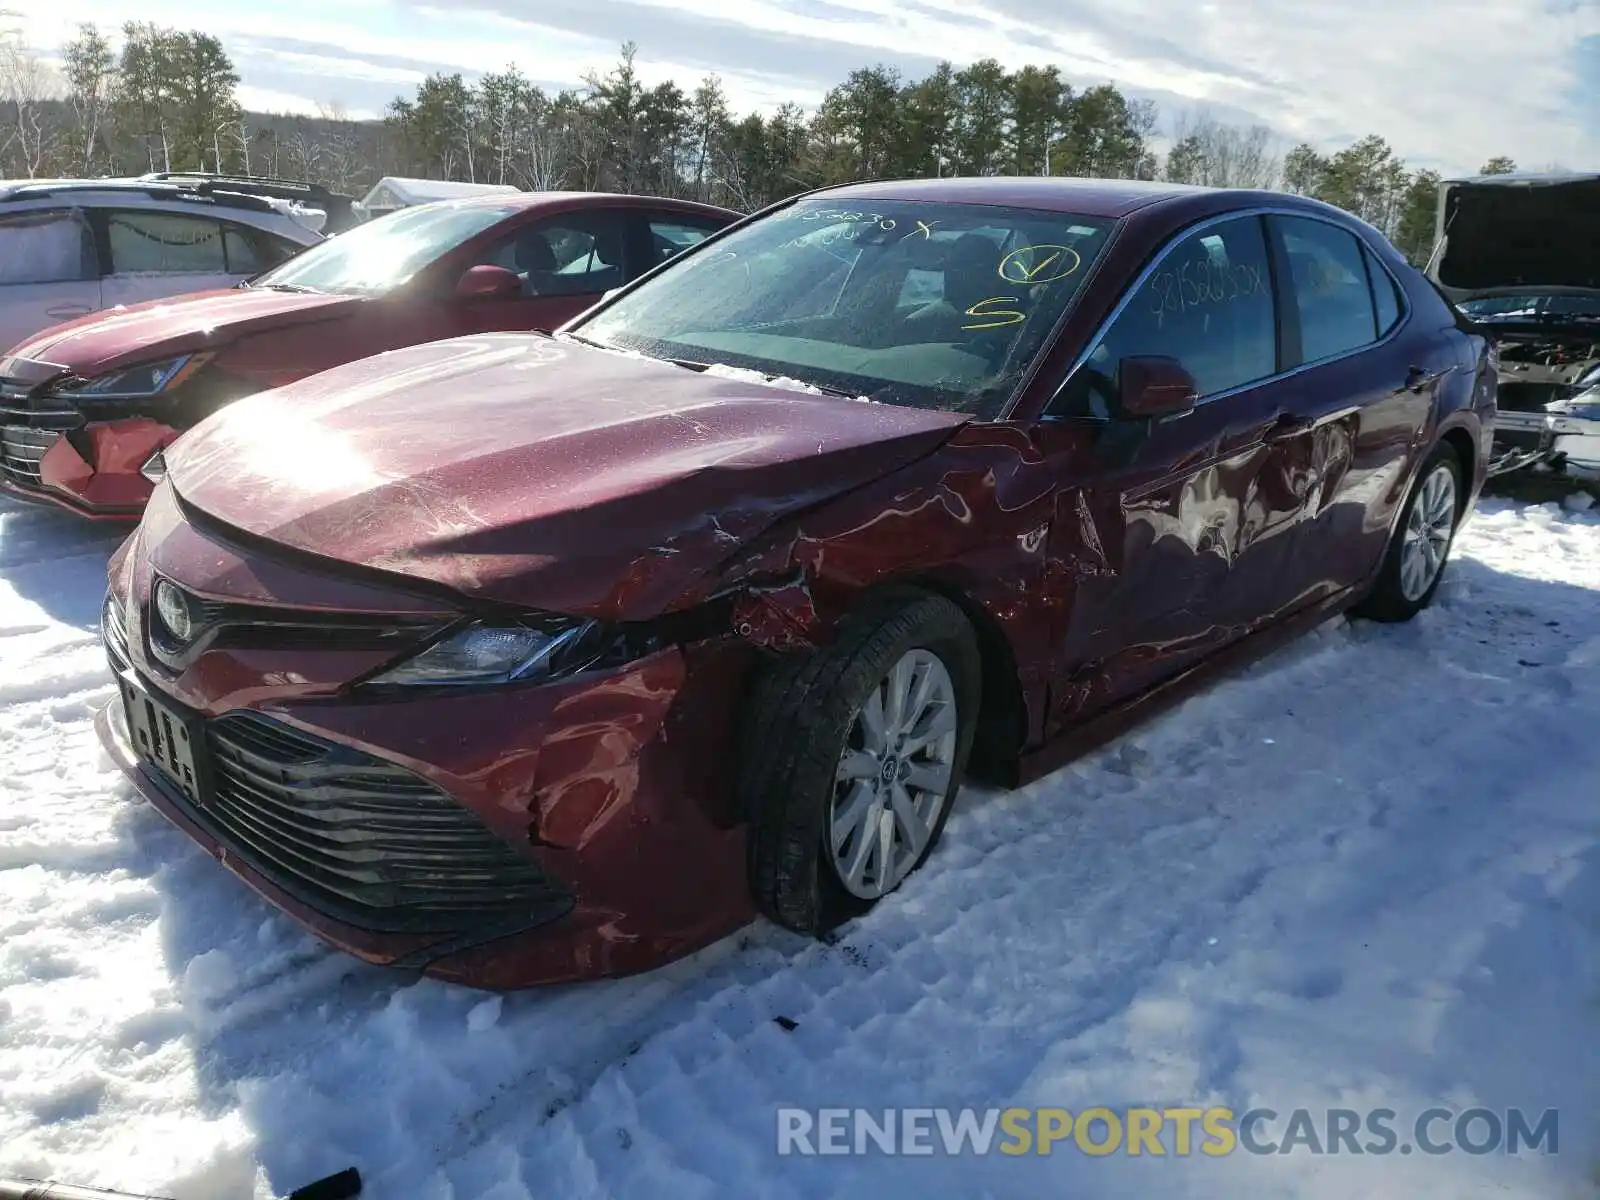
(86, 406)
(519, 658)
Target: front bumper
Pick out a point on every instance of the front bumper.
(524, 836)
(1576, 439)
(44, 465)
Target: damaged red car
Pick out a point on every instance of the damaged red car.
(522, 658)
(87, 407)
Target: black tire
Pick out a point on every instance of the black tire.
(1388, 601)
(800, 717)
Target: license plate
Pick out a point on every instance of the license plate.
(161, 737)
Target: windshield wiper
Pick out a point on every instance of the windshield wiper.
(587, 341)
(289, 287)
(687, 364)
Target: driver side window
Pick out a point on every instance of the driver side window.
(1208, 304)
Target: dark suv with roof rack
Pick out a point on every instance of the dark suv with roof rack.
(69, 248)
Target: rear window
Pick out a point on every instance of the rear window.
(921, 304)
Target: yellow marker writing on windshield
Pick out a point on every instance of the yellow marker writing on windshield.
(1044, 263)
(997, 317)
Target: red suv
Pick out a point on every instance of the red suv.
(86, 407)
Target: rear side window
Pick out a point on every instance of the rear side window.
(1385, 293)
(669, 238)
(1208, 304)
(49, 246)
(1329, 280)
(165, 243)
(251, 251)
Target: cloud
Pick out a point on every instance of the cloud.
(1447, 86)
(265, 100)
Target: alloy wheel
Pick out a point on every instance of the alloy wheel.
(894, 775)
(1428, 529)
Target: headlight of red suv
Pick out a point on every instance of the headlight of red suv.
(136, 383)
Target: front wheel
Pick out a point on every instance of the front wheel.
(1414, 563)
(852, 758)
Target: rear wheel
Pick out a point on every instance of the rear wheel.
(853, 756)
(1414, 563)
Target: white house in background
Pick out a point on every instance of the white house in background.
(393, 192)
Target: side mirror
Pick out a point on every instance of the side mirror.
(487, 282)
(1152, 386)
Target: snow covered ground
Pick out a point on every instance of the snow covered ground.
(1365, 874)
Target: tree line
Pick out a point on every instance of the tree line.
(167, 100)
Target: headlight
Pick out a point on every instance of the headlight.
(136, 383)
(484, 654)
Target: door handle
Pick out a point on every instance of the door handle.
(68, 310)
(1287, 427)
(1418, 378)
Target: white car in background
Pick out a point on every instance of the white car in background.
(1518, 256)
(69, 248)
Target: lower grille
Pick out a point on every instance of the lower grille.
(21, 449)
(363, 839)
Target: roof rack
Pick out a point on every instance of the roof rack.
(254, 195)
(337, 206)
(155, 190)
(266, 185)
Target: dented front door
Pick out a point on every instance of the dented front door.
(1169, 548)
(1169, 532)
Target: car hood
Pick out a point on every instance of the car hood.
(155, 329)
(1518, 234)
(536, 471)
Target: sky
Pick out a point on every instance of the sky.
(1448, 85)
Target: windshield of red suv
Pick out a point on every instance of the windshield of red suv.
(385, 252)
(921, 304)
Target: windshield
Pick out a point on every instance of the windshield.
(385, 252)
(919, 304)
(1533, 307)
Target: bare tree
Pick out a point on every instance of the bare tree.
(25, 84)
(340, 147)
(1219, 155)
(91, 75)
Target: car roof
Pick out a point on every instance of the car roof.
(570, 200)
(1111, 198)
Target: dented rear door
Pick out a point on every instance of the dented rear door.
(1354, 406)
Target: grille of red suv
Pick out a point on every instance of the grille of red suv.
(26, 433)
(21, 450)
(363, 839)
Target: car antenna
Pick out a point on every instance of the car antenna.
(339, 1186)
